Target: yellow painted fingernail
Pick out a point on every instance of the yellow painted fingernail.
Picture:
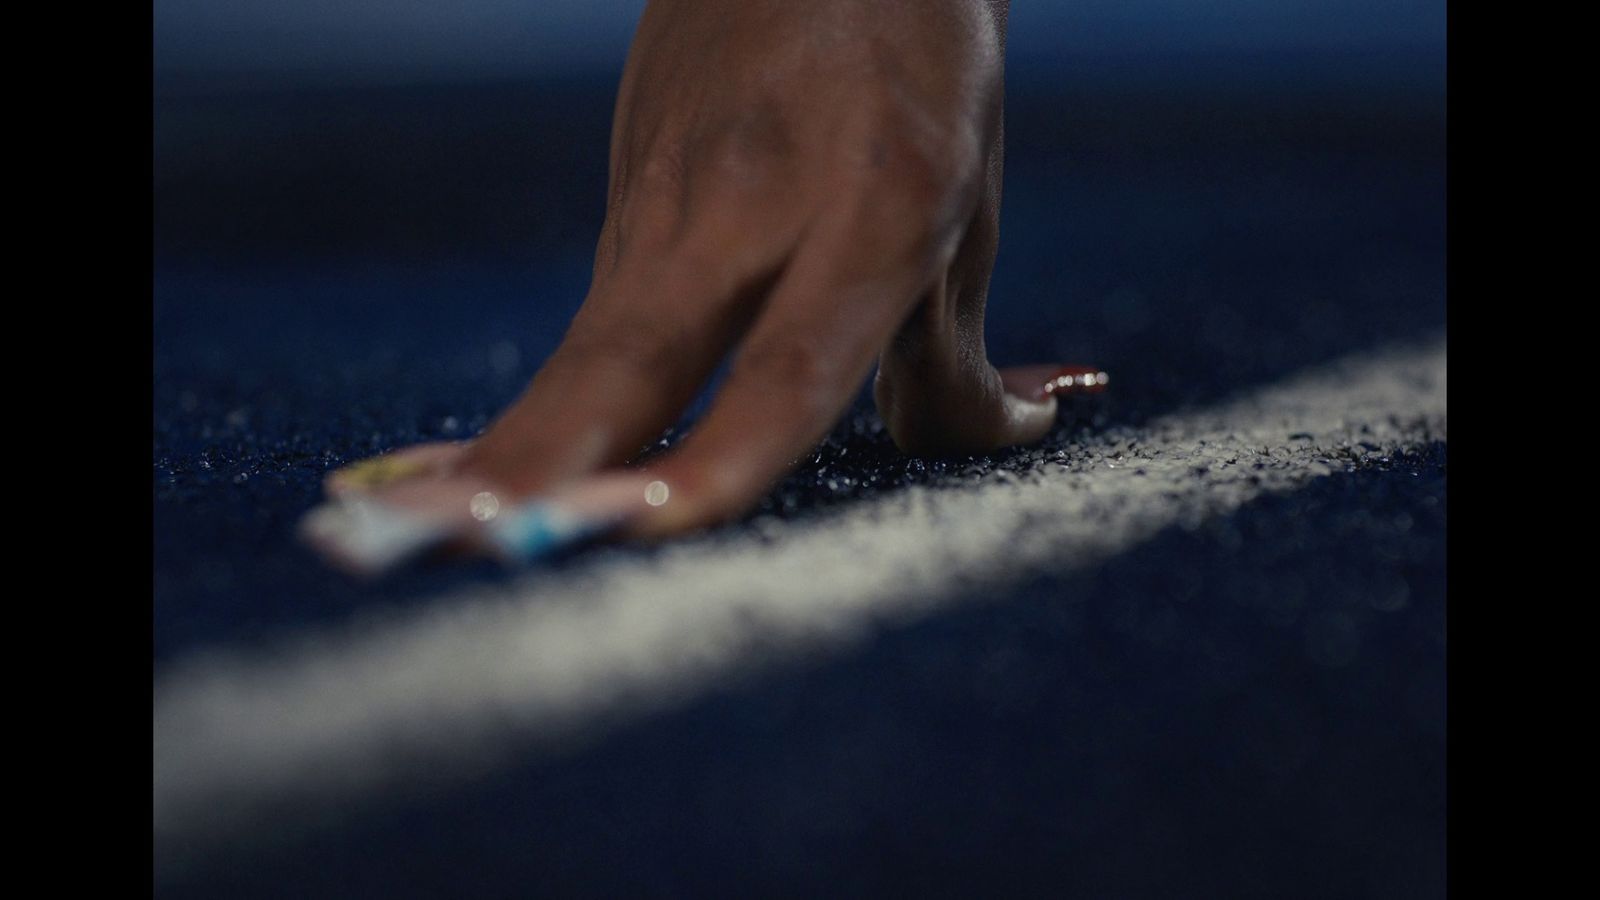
(377, 471)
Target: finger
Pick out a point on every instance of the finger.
(798, 368)
(938, 394)
(367, 532)
(935, 389)
(633, 359)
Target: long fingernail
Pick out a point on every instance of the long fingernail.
(389, 468)
(1038, 382)
(366, 537)
(588, 509)
(1077, 380)
(370, 474)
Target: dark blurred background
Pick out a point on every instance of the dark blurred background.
(396, 178)
(306, 130)
(374, 219)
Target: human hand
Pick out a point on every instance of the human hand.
(814, 188)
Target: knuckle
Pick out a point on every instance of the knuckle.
(918, 162)
(727, 160)
(917, 193)
(660, 175)
(650, 209)
(739, 150)
(744, 153)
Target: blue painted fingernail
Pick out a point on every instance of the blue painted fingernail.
(537, 530)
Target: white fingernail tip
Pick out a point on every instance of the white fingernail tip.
(368, 536)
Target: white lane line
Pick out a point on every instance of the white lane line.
(243, 735)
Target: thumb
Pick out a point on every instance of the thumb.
(939, 395)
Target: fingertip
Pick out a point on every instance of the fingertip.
(1028, 419)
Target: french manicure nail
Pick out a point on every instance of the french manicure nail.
(367, 537)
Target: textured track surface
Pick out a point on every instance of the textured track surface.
(1246, 703)
(546, 658)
